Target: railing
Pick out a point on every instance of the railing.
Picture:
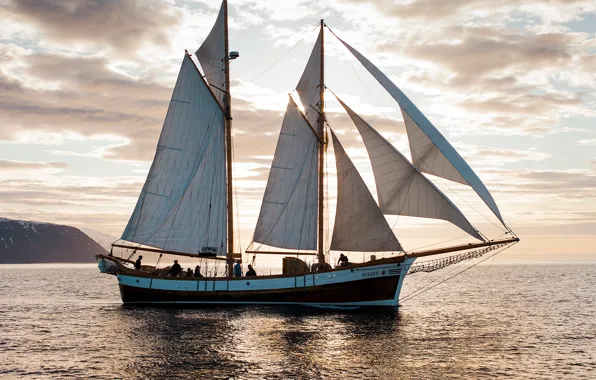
(433, 265)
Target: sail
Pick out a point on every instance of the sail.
(431, 153)
(402, 189)
(212, 56)
(359, 223)
(182, 206)
(288, 216)
(308, 85)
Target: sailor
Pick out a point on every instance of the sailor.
(251, 271)
(189, 273)
(343, 260)
(237, 269)
(138, 262)
(176, 269)
(198, 271)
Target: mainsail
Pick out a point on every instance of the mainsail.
(212, 56)
(182, 206)
(401, 188)
(308, 85)
(359, 223)
(431, 152)
(288, 216)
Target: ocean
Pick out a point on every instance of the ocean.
(493, 321)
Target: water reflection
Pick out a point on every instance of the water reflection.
(246, 342)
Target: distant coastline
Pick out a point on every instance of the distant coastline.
(28, 242)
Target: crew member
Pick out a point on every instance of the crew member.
(343, 260)
(237, 269)
(251, 271)
(138, 262)
(176, 269)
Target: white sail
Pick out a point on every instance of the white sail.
(212, 56)
(288, 216)
(182, 206)
(441, 159)
(402, 189)
(359, 223)
(308, 85)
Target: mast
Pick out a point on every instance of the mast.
(228, 134)
(321, 127)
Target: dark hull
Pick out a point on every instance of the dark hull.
(362, 291)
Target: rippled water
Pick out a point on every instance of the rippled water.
(494, 321)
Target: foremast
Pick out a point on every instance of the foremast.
(321, 131)
(228, 144)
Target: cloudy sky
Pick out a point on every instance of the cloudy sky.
(85, 85)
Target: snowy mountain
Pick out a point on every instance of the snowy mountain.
(34, 242)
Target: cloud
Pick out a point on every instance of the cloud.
(497, 157)
(439, 10)
(478, 51)
(30, 165)
(122, 25)
(587, 142)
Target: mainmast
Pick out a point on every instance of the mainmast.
(228, 134)
(321, 127)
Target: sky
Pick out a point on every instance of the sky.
(85, 86)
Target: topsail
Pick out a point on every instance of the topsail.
(431, 152)
(308, 85)
(182, 206)
(212, 56)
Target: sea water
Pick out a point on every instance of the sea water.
(492, 321)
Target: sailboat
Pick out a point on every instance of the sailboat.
(186, 206)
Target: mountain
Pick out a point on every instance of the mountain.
(102, 239)
(33, 242)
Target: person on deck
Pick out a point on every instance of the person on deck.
(251, 271)
(176, 269)
(237, 269)
(198, 271)
(343, 260)
(138, 262)
(189, 273)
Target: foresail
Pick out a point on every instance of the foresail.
(401, 188)
(308, 86)
(288, 216)
(431, 152)
(212, 55)
(359, 223)
(182, 206)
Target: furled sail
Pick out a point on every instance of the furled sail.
(359, 223)
(182, 206)
(402, 189)
(288, 216)
(308, 85)
(431, 152)
(212, 56)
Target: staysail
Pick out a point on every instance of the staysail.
(212, 56)
(308, 85)
(182, 206)
(288, 216)
(359, 223)
(431, 152)
(401, 188)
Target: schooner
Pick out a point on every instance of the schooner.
(186, 204)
